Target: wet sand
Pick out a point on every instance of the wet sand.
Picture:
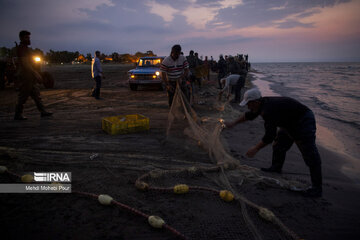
(65, 141)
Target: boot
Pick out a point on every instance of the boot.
(97, 93)
(18, 113)
(271, 169)
(19, 117)
(313, 192)
(46, 114)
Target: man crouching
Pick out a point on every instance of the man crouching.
(286, 121)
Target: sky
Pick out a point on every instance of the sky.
(266, 30)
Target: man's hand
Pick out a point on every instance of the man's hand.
(230, 124)
(219, 96)
(170, 88)
(252, 152)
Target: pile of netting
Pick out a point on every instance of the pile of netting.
(211, 207)
(197, 199)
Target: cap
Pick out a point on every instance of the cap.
(250, 95)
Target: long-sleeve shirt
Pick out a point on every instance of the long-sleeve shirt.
(233, 67)
(281, 112)
(222, 66)
(231, 80)
(96, 69)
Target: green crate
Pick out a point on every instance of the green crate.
(124, 124)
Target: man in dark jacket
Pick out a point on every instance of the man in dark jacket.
(286, 121)
(28, 78)
(192, 65)
(222, 68)
(234, 67)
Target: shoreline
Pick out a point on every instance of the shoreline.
(333, 216)
(325, 137)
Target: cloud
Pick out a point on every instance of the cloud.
(278, 8)
(213, 26)
(163, 10)
(294, 24)
(266, 13)
(49, 12)
(197, 13)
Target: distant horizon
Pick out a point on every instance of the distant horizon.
(216, 58)
(358, 61)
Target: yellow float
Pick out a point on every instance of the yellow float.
(181, 189)
(226, 195)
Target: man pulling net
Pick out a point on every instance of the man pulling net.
(286, 121)
(175, 68)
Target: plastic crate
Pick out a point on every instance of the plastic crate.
(125, 124)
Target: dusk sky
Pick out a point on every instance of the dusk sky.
(267, 30)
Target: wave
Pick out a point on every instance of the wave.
(351, 123)
(322, 105)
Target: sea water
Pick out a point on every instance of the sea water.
(332, 91)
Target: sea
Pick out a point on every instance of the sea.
(332, 92)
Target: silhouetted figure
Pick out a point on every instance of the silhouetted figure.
(286, 121)
(192, 65)
(222, 68)
(28, 78)
(97, 75)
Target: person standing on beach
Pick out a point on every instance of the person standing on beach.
(175, 68)
(97, 74)
(241, 83)
(192, 65)
(233, 67)
(28, 78)
(286, 121)
(222, 67)
(207, 65)
(198, 63)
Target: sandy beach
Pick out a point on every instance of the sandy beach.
(65, 141)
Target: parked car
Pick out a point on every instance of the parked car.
(147, 72)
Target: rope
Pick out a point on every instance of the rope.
(119, 204)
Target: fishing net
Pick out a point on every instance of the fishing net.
(199, 198)
(211, 204)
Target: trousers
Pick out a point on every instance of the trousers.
(304, 137)
(28, 88)
(185, 88)
(96, 89)
(239, 85)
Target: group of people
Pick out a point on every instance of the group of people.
(195, 64)
(28, 78)
(286, 120)
(232, 72)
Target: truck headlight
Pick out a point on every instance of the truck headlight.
(37, 59)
